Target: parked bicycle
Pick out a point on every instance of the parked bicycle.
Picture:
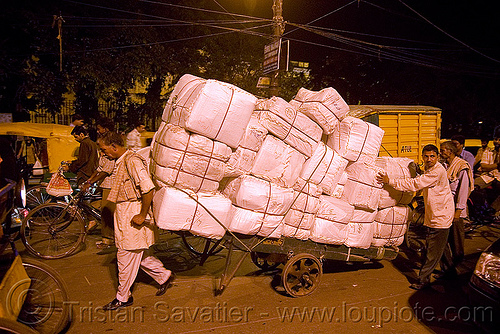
(57, 229)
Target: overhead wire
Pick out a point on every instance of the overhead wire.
(449, 35)
(381, 51)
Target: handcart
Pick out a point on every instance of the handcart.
(302, 259)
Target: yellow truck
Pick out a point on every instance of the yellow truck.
(407, 128)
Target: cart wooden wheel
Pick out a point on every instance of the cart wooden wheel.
(302, 274)
(261, 260)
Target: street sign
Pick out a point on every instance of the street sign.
(272, 57)
(264, 82)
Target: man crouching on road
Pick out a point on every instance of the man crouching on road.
(132, 191)
(439, 209)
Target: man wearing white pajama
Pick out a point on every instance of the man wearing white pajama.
(132, 191)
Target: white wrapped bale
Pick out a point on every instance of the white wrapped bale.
(390, 226)
(324, 168)
(178, 155)
(298, 224)
(356, 140)
(241, 161)
(165, 176)
(326, 107)
(396, 168)
(362, 188)
(339, 189)
(252, 193)
(255, 223)
(331, 222)
(211, 108)
(291, 126)
(360, 229)
(300, 218)
(186, 86)
(278, 162)
(177, 210)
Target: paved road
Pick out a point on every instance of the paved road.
(351, 298)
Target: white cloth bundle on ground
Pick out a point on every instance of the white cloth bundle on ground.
(177, 155)
(360, 229)
(175, 210)
(356, 140)
(212, 108)
(396, 168)
(252, 193)
(324, 168)
(289, 125)
(331, 222)
(255, 223)
(362, 188)
(390, 226)
(278, 162)
(326, 107)
(339, 189)
(241, 161)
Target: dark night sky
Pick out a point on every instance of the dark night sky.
(474, 23)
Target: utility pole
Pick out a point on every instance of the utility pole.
(278, 30)
(59, 21)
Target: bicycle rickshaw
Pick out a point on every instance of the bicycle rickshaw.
(33, 296)
(49, 143)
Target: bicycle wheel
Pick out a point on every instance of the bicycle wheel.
(200, 245)
(46, 307)
(37, 195)
(53, 230)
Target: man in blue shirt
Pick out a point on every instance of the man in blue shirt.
(459, 141)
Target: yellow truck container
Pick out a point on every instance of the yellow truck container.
(407, 128)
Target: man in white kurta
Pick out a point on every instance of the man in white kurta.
(439, 209)
(132, 191)
(461, 184)
(134, 142)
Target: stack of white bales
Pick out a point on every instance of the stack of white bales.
(269, 195)
(279, 178)
(202, 122)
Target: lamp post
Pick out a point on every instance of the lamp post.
(278, 30)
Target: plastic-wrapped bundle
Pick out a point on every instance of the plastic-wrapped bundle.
(177, 210)
(324, 168)
(326, 107)
(241, 161)
(331, 222)
(255, 223)
(356, 140)
(186, 160)
(300, 218)
(339, 189)
(252, 193)
(290, 125)
(362, 188)
(390, 226)
(396, 168)
(278, 162)
(360, 229)
(211, 108)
